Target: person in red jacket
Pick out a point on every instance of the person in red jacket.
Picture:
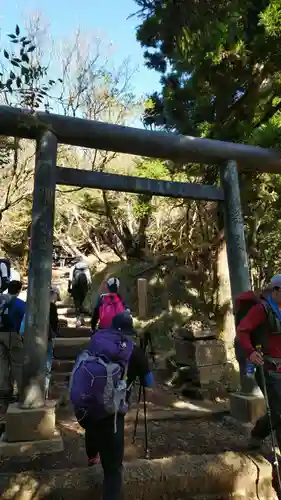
(262, 327)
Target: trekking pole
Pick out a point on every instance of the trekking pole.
(137, 417)
(152, 351)
(142, 346)
(268, 411)
(146, 451)
(142, 391)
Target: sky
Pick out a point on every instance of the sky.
(109, 18)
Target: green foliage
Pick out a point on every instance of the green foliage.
(153, 169)
(271, 19)
(220, 67)
(23, 76)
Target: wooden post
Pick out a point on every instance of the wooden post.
(142, 298)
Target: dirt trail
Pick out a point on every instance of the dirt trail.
(166, 438)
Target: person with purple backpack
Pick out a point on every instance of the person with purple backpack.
(100, 386)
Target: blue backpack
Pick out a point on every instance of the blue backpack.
(6, 310)
(98, 380)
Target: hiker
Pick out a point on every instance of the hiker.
(11, 315)
(243, 304)
(5, 274)
(99, 405)
(14, 309)
(78, 286)
(261, 326)
(53, 331)
(108, 305)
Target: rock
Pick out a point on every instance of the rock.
(198, 329)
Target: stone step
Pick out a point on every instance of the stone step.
(69, 348)
(60, 377)
(61, 304)
(224, 475)
(66, 311)
(68, 332)
(65, 321)
(62, 366)
(59, 391)
(70, 311)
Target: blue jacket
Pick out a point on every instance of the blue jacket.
(13, 314)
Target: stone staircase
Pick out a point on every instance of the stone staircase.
(67, 345)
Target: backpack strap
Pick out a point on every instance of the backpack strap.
(273, 321)
(272, 327)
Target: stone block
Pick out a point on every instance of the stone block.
(31, 448)
(200, 352)
(30, 424)
(202, 376)
(246, 408)
(198, 330)
(206, 375)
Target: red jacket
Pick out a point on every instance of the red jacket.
(256, 317)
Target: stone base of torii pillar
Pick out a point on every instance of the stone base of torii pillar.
(29, 431)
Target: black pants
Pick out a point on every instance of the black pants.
(101, 438)
(273, 385)
(79, 294)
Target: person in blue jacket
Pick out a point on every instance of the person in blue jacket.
(13, 310)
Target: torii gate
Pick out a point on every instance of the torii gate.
(49, 130)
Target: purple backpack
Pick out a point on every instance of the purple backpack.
(98, 379)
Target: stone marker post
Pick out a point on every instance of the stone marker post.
(142, 298)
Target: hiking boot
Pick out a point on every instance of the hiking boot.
(93, 461)
(255, 443)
